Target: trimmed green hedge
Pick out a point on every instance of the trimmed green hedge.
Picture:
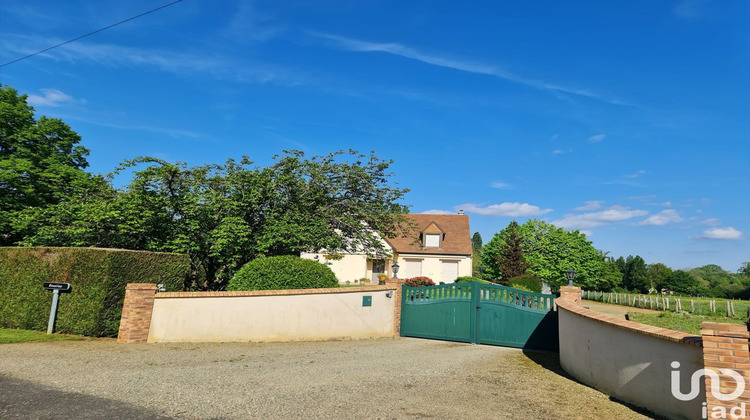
(469, 279)
(526, 282)
(97, 277)
(282, 272)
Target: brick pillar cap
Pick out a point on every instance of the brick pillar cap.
(140, 286)
(721, 326)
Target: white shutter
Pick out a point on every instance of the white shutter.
(450, 271)
(413, 269)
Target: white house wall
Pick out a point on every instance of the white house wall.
(349, 268)
(432, 265)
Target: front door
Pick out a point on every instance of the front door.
(378, 267)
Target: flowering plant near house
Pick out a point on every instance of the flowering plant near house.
(419, 281)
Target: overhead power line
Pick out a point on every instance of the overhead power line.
(90, 33)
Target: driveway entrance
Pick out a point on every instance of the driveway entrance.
(389, 378)
(481, 314)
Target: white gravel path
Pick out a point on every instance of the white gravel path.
(384, 378)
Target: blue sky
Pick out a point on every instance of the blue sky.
(628, 120)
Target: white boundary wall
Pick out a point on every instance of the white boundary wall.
(628, 360)
(283, 315)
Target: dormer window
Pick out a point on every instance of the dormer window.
(432, 236)
(432, 240)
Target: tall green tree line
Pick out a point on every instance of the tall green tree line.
(222, 215)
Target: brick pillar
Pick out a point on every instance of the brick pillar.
(136, 313)
(571, 292)
(725, 346)
(396, 303)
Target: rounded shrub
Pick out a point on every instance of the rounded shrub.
(419, 281)
(526, 282)
(283, 272)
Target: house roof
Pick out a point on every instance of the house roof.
(456, 235)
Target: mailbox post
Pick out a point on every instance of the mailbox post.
(56, 289)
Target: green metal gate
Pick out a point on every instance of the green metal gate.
(480, 313)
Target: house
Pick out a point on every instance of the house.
(438, 248)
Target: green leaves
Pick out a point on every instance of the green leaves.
(226, 215)
(547, 251)
(41, 163)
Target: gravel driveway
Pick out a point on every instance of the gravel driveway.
(383, 378)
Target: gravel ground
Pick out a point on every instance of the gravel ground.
(383, 378)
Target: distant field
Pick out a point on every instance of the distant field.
(688, 323)
(659, 302)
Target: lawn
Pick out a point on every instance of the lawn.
(688, 323)
(701, 305)
(8, 336)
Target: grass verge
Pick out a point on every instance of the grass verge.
(684, 322)
(8, 336)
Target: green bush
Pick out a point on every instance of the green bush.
(522, 288)
(284, 272)
(526, 282)
(469, 279)
(97, 277)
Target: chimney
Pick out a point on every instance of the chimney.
(461, 211)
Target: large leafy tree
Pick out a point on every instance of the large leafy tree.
(720, 283)
(476, 248)
(635, 276)
(511, 260)
(657, 274)
(609, 276)
(226, 215)
(683, 282)
(550, 251)
(744, 269)
(41, 162)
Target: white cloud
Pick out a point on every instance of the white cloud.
(208, 62)
(710, 222)
(590, 220)
(728, 233)
(435, 211)
(557, 152)
(597, 138)
(590, 205)
(666, 204)
(636, 174)
(500, 185)
(690, 9)
(554, 137)
(504, 209)
(51, 97)
(467, 66)
(661, 218)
